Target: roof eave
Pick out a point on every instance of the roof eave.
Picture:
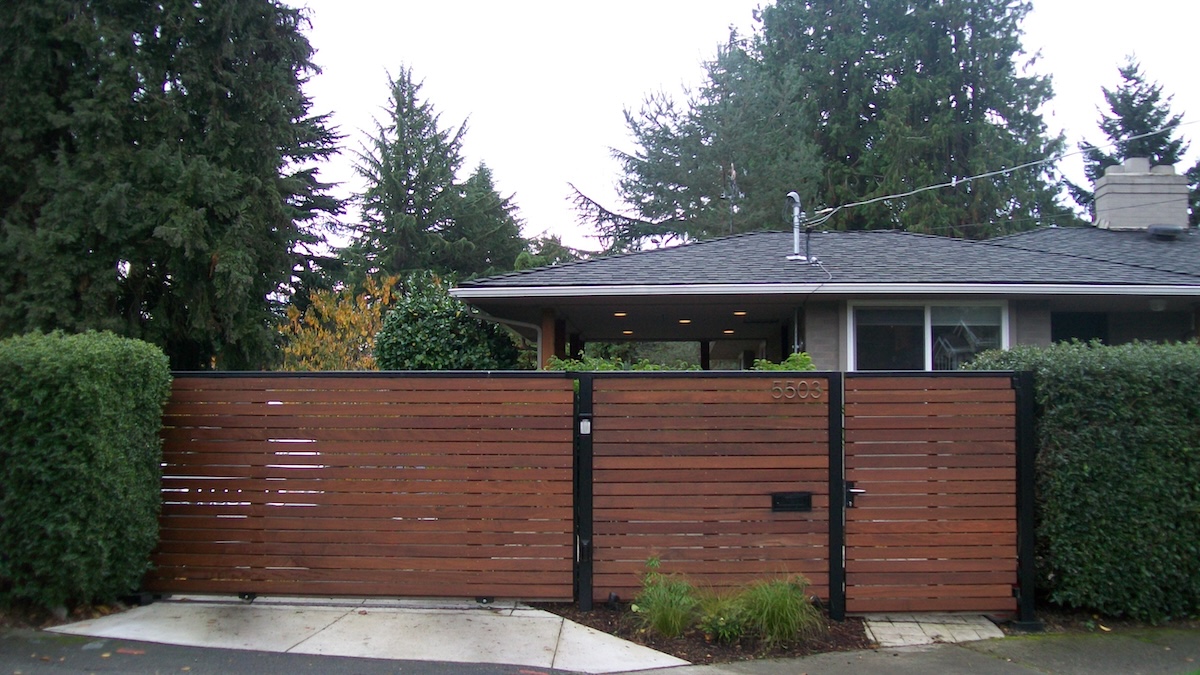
(839, 289)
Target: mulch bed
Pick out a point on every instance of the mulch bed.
(697, 648)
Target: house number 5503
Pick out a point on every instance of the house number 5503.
(796, 389)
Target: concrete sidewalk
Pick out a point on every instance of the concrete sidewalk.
(225, 636)
(409, 630)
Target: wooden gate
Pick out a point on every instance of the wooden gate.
(723, 478)
(454, 486)
(931, 471)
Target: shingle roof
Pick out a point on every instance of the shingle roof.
(1076, 256)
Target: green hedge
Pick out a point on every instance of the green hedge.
(80, 461)
(1118, 475)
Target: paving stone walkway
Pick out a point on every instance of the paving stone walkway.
(907, 630)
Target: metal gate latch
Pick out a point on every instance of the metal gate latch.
(852, 492)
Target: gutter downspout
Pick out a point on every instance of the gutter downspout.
(520, 324)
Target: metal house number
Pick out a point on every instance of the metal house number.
(796, 389)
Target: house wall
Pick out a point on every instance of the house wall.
(823, 337)
(1029, 323)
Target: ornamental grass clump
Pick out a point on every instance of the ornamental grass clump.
(779, 612)
(667, 603)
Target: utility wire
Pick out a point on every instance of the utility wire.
(827, 213)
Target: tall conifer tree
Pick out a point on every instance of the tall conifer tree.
(156, 171)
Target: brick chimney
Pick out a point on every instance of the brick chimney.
(1135, 196)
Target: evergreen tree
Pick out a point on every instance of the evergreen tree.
(156, 171)
(721, 165)
(416, 215)
(853, 101)
(484, 237)
(410, 166)
(546, 251)
(1137, 109)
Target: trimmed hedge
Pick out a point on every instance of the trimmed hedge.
(1118, 475)
(80, 459)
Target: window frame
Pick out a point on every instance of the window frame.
(927, 330)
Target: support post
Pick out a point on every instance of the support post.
(583, 492)
(837, 501)
(1026, 502)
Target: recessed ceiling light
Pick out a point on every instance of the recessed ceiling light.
(627, 332)
(740, 312)
(729, 332)
(685, 321)
(620, 314)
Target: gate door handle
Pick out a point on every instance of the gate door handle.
(852, 492)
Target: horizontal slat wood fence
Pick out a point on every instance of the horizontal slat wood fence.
(684, 468)
(467, 485)
(361, 485)
(936, 528)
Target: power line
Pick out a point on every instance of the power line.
(827, 213)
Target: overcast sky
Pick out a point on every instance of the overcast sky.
(542, 83)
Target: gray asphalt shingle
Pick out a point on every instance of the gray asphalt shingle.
(1077, 256)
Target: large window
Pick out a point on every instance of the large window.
(932, 337)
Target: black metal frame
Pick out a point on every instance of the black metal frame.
(837, 499)
(584, 484)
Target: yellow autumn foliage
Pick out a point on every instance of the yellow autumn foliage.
(337, 331)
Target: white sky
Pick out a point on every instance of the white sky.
(542, 83)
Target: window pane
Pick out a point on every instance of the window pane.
(959, 333)
(889, 339)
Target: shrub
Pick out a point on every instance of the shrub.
(80, 464)
(794, 361)
(1118, 475)
(667, 603)
(428, 329)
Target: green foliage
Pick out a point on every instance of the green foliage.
(547, 251)
(427, 329)
(720, 164)
(904, 95)
(588, 363)
(1118, 474)
(485, 236)
(79, 465)
(667, 603)
(844, 102)
(779, 611)
(723, 617)
(1136, 109)
(416, 216)
(794, 361)
(774, 612)
(156, 172)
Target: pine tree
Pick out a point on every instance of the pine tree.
(156, 171)
(1139, 123)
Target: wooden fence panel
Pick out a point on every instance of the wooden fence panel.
(684, 469)
(936, 528)
(368, 485)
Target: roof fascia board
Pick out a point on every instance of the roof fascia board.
(651, 290)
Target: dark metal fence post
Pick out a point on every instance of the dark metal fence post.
(583, 492)
(1026, 502)
(837, 501)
